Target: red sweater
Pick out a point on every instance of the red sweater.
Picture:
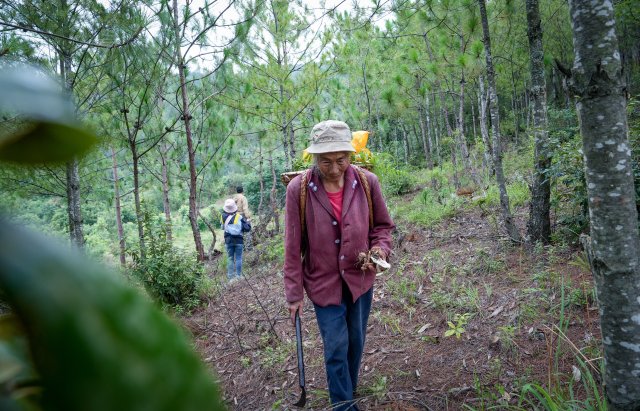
(333, 251)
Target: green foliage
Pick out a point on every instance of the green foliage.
(83, 323)
(171, 276)
(48, 135)
(518, 193)
(567, 172)
(403, 289)
(456, 327)
(379, 387)
(394, 179)
(429, 208)
(17, 374)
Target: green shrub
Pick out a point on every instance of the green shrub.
(394, 179)
(171, 276)
(518, 193)
(429, 207)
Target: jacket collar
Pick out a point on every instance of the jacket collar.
(351, 183)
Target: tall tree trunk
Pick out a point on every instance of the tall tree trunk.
(432, 127)
(473, 121)
(484, 131)
(614, 246)
(462, 138)
(116, 197)
(273, 195)
(260, 175)
(405, 144)
(186, 116)
(509, 224)
(422, 118)
(72, 174)
(73, 204)
(285, 135)
(425, 134)
(136, 197)
(166, 204)
(539, 226)
(292, 143)
(366, 93)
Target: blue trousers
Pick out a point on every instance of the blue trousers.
(234, 260)
(343, 328)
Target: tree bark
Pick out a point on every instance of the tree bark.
(166, 204)
(186, 116)
(539, 226)
(484, 131)
(509, 224)
(260, 175)
(273, 195)
(73, 176)
(73, 204)
(614, 246)
(116, 196)
(136, 197)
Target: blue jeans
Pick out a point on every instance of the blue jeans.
(343, 328)
(234, 260)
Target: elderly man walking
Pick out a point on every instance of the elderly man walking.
(344, 215)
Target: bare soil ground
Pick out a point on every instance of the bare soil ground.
(514, 299)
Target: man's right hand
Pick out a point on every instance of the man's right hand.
(293, 307)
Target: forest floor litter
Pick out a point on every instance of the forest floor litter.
(513, 315)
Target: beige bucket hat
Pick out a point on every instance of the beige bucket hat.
(230, 206)
(330, 136)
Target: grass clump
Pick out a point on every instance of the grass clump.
(429, 208)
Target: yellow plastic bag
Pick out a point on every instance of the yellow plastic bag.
(359, 140)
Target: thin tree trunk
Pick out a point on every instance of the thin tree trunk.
(260, 176)
(136, 198)
(405, 144)
(473, 121)
(292, 143)
(186, 116)
(462, 138)
(539, 226)
(484, 131)
(614, 245)
(72, 174)
(509, 224)
(166, 205)
(366, 94)
(116, 196)
(273, 195)
(73, 204)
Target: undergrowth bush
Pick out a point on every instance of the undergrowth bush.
(518, 193)
(171, 276)
(430, 207)
(394, 179)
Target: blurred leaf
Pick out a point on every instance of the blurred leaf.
(49, 133)
(97, 343)
(34, 95)
(46, 142)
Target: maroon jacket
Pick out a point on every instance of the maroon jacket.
(333, 250)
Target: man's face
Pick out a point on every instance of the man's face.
(333, 165)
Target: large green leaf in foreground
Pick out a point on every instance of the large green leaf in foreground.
(49, 131)
(97, 343)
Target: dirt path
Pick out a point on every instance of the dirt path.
(506, 304)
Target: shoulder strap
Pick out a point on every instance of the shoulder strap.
(303, 200)
(367, 191)
(226, 222)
